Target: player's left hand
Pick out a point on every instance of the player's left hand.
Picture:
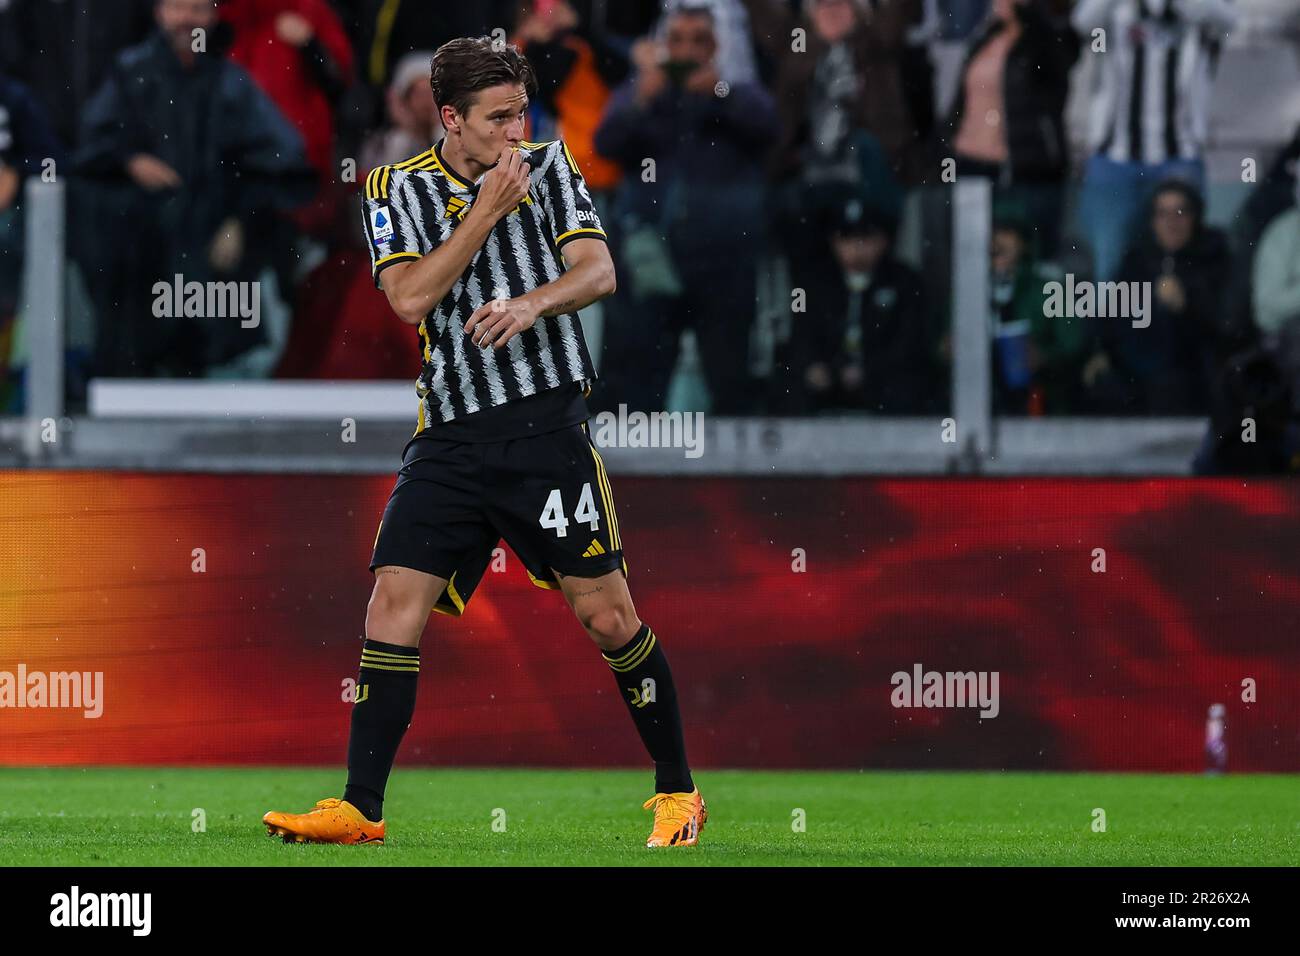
(496, 322)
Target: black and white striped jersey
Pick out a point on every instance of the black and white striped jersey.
(412, 207)
(1152, 99)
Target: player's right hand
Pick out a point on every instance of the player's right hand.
(505, 185)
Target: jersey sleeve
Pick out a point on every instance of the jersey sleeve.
(390, 231)
(568, 203)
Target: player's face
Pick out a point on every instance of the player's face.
(180, 18)
(494, 121)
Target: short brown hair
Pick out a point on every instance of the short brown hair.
(460, 68)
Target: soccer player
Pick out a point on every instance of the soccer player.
(491, 245)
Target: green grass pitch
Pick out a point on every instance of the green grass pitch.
(143, 817)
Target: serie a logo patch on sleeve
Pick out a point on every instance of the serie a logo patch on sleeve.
(381, 225)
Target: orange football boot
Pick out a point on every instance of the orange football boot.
(333, 821)
(679, 818)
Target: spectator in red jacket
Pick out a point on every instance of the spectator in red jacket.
(299, 54)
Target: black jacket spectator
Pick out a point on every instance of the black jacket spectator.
(237, 160)
(1171, 366)
(885, 332)
(708, 152)
(233, 149)
(1034, 90)
(866, 341)
(688, 231)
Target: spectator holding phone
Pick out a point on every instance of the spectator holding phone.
(690, 230)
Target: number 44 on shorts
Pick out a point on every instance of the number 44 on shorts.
(553, 513)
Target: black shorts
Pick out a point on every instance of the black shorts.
(547, 495)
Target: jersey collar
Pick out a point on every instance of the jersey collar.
(455, 178)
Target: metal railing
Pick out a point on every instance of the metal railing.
(296, 426)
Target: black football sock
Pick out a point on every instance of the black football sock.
(646, 685)
(381, 712)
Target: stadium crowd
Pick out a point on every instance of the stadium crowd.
(790, 141)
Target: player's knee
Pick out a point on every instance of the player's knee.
(610, 627)
(393, 617)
